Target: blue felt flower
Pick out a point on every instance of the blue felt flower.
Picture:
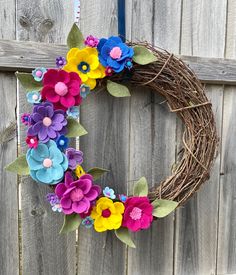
(73, 112)
(38, 73)
(62, 142)
(88, 222)
(109, 193)
(84, 91)
(47, 163)
(33, 97)
(114, 53)
(123, 198)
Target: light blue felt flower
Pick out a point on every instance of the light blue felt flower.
(73, 112)
(38, 73)
(88, 222)
(47, 163)
(57, 208)
(84, 91)
(109, 193)
(33, 97)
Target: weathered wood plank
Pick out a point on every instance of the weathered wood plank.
(9, 243)
(14, 55)
(106, 145)
(44, 250)
(226, 263)
(152, 137)
(203, 30)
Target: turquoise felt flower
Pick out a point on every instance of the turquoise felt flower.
(109, 193)
(84, 91)
(47, 163)
(38, 73)
(33, 97)
(73, 112)
(88, 222)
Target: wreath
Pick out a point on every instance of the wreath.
(56, 95)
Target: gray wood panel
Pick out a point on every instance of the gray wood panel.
(107, 145)
(44, 250)
(9, 244)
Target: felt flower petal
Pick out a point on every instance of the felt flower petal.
(44, 175)
(60, 190)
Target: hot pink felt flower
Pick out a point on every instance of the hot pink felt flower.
(138, 213)
(77, 196)
(61, 88)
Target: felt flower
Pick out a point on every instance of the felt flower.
(107, 214)
(109, 71)
(46, 123)
(57, 208)
(60, 61)
(33, 97)
(129, 64)
(25, 119)
(86, 64)
(79, 171)
(54, 202)
(76, 196)
(84, 91)
(61, 88)
(114, 53)
(39, 73)
(87, 222)
(138, 213)
(73, 112)
(75, 157)
(32, 142)
(109, 193)
(62, 142)
(122, 197)
(47, 163)
(91, 41)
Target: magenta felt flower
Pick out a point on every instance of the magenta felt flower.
(138, 213)
(61, 88)
(77, 196)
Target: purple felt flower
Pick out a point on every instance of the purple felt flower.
(75, 157)
(47, 123)
(77, 196)
(60, 61)
(91, 41)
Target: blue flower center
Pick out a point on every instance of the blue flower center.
(84, 67)
(62, 142)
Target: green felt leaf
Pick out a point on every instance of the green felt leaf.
(75, 129)
(97, 172)
(117, 90)
(143, 56)
(141, 188)
(71, 223)
(19, 166)
(123, 235)
(75, 38)
(163, 208)
(28, 82)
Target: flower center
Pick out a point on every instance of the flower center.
(62, 142)
(77, 195)
(32, 141)
(47, 121)
(38, 73)
(61, 88)
(115, 53)
(106, 213)
(47, 163)
(136, 213)
(84, 67)
(35, 97)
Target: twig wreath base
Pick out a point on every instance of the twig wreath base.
(56, 95)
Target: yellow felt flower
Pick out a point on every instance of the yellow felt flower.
(107, 214)
(86, 64)
(79, 171)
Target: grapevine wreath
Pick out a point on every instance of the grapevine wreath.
(56, 94)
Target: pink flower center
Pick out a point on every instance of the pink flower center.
(61, 88)
(38, 73)
(136, 213)
(115, 53)
(35, 97)
(47, 163)
(32, 141)
(77, 195)
(106, 213)
(47, 121)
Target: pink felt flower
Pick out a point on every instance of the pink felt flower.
(138, 213)
(77, 196)
(32, 142)
(61, 88)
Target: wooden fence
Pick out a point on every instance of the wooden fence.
(132, 137)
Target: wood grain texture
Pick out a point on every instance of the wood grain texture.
(152, 138)
(44, 250)
(106, 145)
(9, 244)
(226, 263)
(203, 32)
